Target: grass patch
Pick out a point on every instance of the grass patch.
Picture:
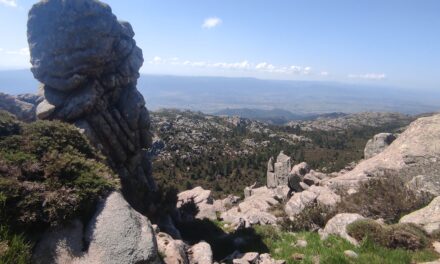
(13, 248)
(331, 251)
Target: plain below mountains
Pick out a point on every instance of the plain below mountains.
(303, 98)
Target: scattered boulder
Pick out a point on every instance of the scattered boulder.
(323, 196)
(428, 217)
(202, 199)
(173, 251)
(116, 234)
(119, 234)
(23, 110)
(378, 144)
(300, 169)
(254, 258)
(351, 254)
(254, 209)
(200, 253)
(337, 226)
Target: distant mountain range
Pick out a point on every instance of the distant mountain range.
(274, 116)
(274, 98)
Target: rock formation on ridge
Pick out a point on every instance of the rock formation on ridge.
(414, 156)
(378, 144)
(88, 64)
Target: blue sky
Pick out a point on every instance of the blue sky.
(384, 42)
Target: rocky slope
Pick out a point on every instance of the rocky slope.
(225, 154)
(414, 155)
(355, 121)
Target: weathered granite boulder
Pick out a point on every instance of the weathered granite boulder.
(173, 251)
(116, 234)
(88, 63)
(427, 217)
(415, 152)
(337, 226)
(277, 173)
(119, 234)
(200, 253)
(300, 169)
(202, 199)
(23, 110)
(378, 144)
(60, 245)
(271, 180)
(254, 209)
(322, 196)
(282, 168)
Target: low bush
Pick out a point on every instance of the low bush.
(385, 197)
(49, 173)
(406, 236)
(311, 218)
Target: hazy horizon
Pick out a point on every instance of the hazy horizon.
(392, 43)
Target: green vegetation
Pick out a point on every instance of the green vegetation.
(227, 165)
(386, 197)
(407, 236)
(49, 174)
(13, 248)
(331, 251)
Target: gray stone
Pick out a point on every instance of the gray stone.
(351, 254)
(428, 217)
(23, 110)
(115, 234)
(88, 63)
(301, 243)
(300, 169)
(60, 245)
(201, 253)
(378, 144)
(338, 224)
(415, 152)
(174, 251)
(119, 234)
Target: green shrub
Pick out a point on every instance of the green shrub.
(311, 218)
(385, 197)
(8, 124)
(368, 229)
(406, 236)
(49, 174)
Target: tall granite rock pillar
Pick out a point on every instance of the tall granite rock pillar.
(88, 64)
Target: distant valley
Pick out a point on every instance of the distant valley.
(276, 101)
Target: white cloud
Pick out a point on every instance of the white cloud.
(324, 73)
(264, 66)
(22, 52)
(368, 76)
(10, 3)
(211, 22)
(240, 65)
